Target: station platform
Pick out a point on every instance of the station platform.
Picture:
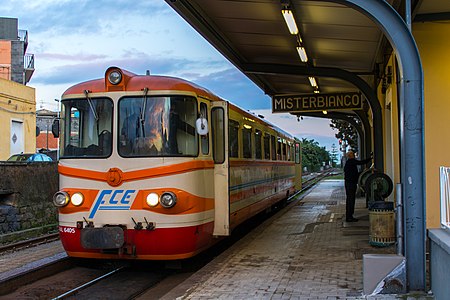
(305, 251)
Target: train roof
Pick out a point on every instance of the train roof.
(133, 82)
(260, 118)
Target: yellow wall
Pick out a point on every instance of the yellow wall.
(434, 46)
(17, 102)
(389, 105)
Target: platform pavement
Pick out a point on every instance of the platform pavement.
(306, 251)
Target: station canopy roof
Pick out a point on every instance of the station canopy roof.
(253, 35)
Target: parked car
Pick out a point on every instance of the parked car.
(30, 157)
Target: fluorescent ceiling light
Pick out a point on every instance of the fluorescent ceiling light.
(302, 53)
(313, 82)
(290, 21)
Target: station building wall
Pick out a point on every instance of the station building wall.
(18, 105)
(388, 95)
(434, 45)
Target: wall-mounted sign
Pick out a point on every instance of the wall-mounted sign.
(316, 102)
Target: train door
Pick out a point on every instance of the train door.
(219, 125)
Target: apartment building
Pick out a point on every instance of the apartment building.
(17, 101)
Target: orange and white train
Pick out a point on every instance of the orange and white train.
(158, 168)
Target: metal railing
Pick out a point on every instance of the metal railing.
(28, 61)
(444, 176)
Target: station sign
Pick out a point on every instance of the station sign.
(316, 102)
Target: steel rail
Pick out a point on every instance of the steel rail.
(30, 242)
(88, 284)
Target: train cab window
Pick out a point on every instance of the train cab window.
(266, 146)
(273, 144)
(258, 139)
(204, 139)
(247, 141)
(86, 129)
(157, 126)
(233, 138)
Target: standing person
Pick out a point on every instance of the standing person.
(351, 175)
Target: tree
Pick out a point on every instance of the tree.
(334, 155)
(313, 156)
(346, 132)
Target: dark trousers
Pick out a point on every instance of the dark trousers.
(350, 191)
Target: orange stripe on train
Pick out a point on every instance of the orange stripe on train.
(135, 175)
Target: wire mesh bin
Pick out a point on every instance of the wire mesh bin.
(382, 224)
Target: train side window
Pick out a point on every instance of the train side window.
(297, 153)
(266, 146)
(233, 138)
(247, 141)
(292, 152)
(285, 157)
(218, 134)
(258, 138)
(274, 147)
(279, 150)
(204, 139)
(288, 151)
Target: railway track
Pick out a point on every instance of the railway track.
(29, 243)
(126, 281)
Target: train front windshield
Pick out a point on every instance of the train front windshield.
(157, 126)
(147, 127)
(86, 130)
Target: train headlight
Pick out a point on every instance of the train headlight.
(77, 199)
(60, 199)
(168, 200)
(152, 199)
(115, 77)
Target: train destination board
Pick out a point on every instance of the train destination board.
(316, 102)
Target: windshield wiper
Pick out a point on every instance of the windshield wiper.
(91, 105)
(142, 116)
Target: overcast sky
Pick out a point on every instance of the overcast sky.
(78, 40)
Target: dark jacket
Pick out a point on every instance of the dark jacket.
(351, 173)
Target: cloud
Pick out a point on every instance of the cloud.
(83, 66)
(233, 86)
(71, 16)
(71, 57)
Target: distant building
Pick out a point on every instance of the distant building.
(17, 101)
(45, 139)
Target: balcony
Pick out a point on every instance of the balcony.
(23, 37)
(28, 64)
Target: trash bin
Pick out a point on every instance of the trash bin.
(381, 224)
